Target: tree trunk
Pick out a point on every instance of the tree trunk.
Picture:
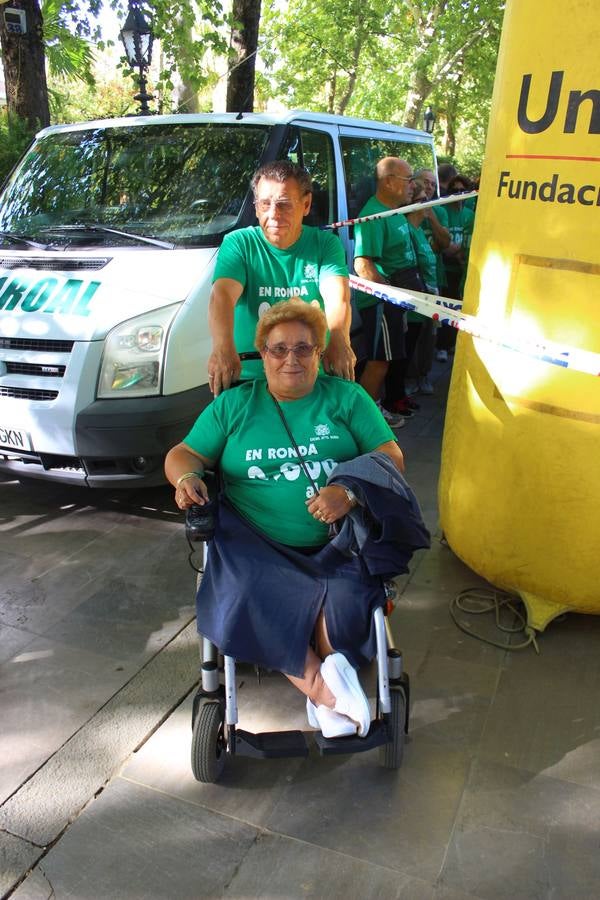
(242, 60)
(24, 63)
(417, 95)
(451, 114)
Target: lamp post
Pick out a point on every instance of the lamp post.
(137, 39)
(429, 120)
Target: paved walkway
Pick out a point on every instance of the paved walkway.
(498, 796)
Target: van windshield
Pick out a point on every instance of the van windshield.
(180, 183)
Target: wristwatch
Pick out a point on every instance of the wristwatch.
(351, 497)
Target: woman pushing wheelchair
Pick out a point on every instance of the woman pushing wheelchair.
(314, 514)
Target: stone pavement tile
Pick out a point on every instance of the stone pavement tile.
(102, 570)
(36, 601)
(13, 641)
(450, 700)
(444, 570)
(16, 858)
(397, 819)
(281, 867)
(422, 458)
(24, 504)
(526, 836)
(128, 617)
(422, 620)
(249, 788)
(54, 795)
(48, 691)
(132, 843)
(546, 716)
(49, 535)
(422, 623)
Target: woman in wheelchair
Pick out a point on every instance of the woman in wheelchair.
(276, 590)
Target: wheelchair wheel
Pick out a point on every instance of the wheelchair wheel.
(390, 754)
(208, 743)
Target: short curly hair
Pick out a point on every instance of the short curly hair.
(292, 311)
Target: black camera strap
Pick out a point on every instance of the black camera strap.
(294, 444)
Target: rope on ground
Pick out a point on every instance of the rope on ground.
(478, 601)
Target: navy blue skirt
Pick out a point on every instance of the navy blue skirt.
(258, 600)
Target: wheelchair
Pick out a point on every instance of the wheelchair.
(215, 733)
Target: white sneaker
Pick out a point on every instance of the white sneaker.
(411, 386)
(330, 723)
(392, 419)
(350, 699)
(425, 386)
(442, 356)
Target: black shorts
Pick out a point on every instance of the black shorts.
(383, 327)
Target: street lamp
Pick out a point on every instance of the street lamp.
(429, 120)
(137, 39)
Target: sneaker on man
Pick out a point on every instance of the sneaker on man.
(425, 386)
(393, 420)
(411, 386)
(442, 356)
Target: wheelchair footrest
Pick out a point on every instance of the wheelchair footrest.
(377, 736)
(270, 744)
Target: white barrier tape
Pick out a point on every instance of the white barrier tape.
(412, 207)
(429, 305)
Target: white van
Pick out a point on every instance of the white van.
(108, 236)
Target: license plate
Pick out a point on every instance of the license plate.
(14, 439)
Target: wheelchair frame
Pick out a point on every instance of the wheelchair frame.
(215, 735)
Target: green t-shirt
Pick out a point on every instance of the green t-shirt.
(426, 260)
(386, 241)
(427, 264)
(441, 213)
(269, 275)
(241, 428)
(460, 225)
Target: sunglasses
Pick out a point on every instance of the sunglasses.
(280, 351)
(281, 206)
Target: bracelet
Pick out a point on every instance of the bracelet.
(188, 475)
(352, 498)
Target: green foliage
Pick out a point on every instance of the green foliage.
(68, 54)
(15, 135)
(79, 102)
(385, 59)
(191, 34)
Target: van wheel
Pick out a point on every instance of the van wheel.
(390, 754)
(208, 742)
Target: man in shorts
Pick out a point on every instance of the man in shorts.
(384, 253)
(276, 260)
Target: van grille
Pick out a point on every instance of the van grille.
(45, 346)
(32, 368)
(27, 393)
(60, 264)
(46, 370)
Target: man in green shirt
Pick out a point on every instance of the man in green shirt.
(384, 253)
(435, 223)
(279, 259)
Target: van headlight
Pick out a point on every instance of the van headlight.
(133, 356)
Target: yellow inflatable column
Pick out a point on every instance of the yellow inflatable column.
(520, 480)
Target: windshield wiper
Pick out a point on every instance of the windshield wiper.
(16, 238)
(104, 229)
